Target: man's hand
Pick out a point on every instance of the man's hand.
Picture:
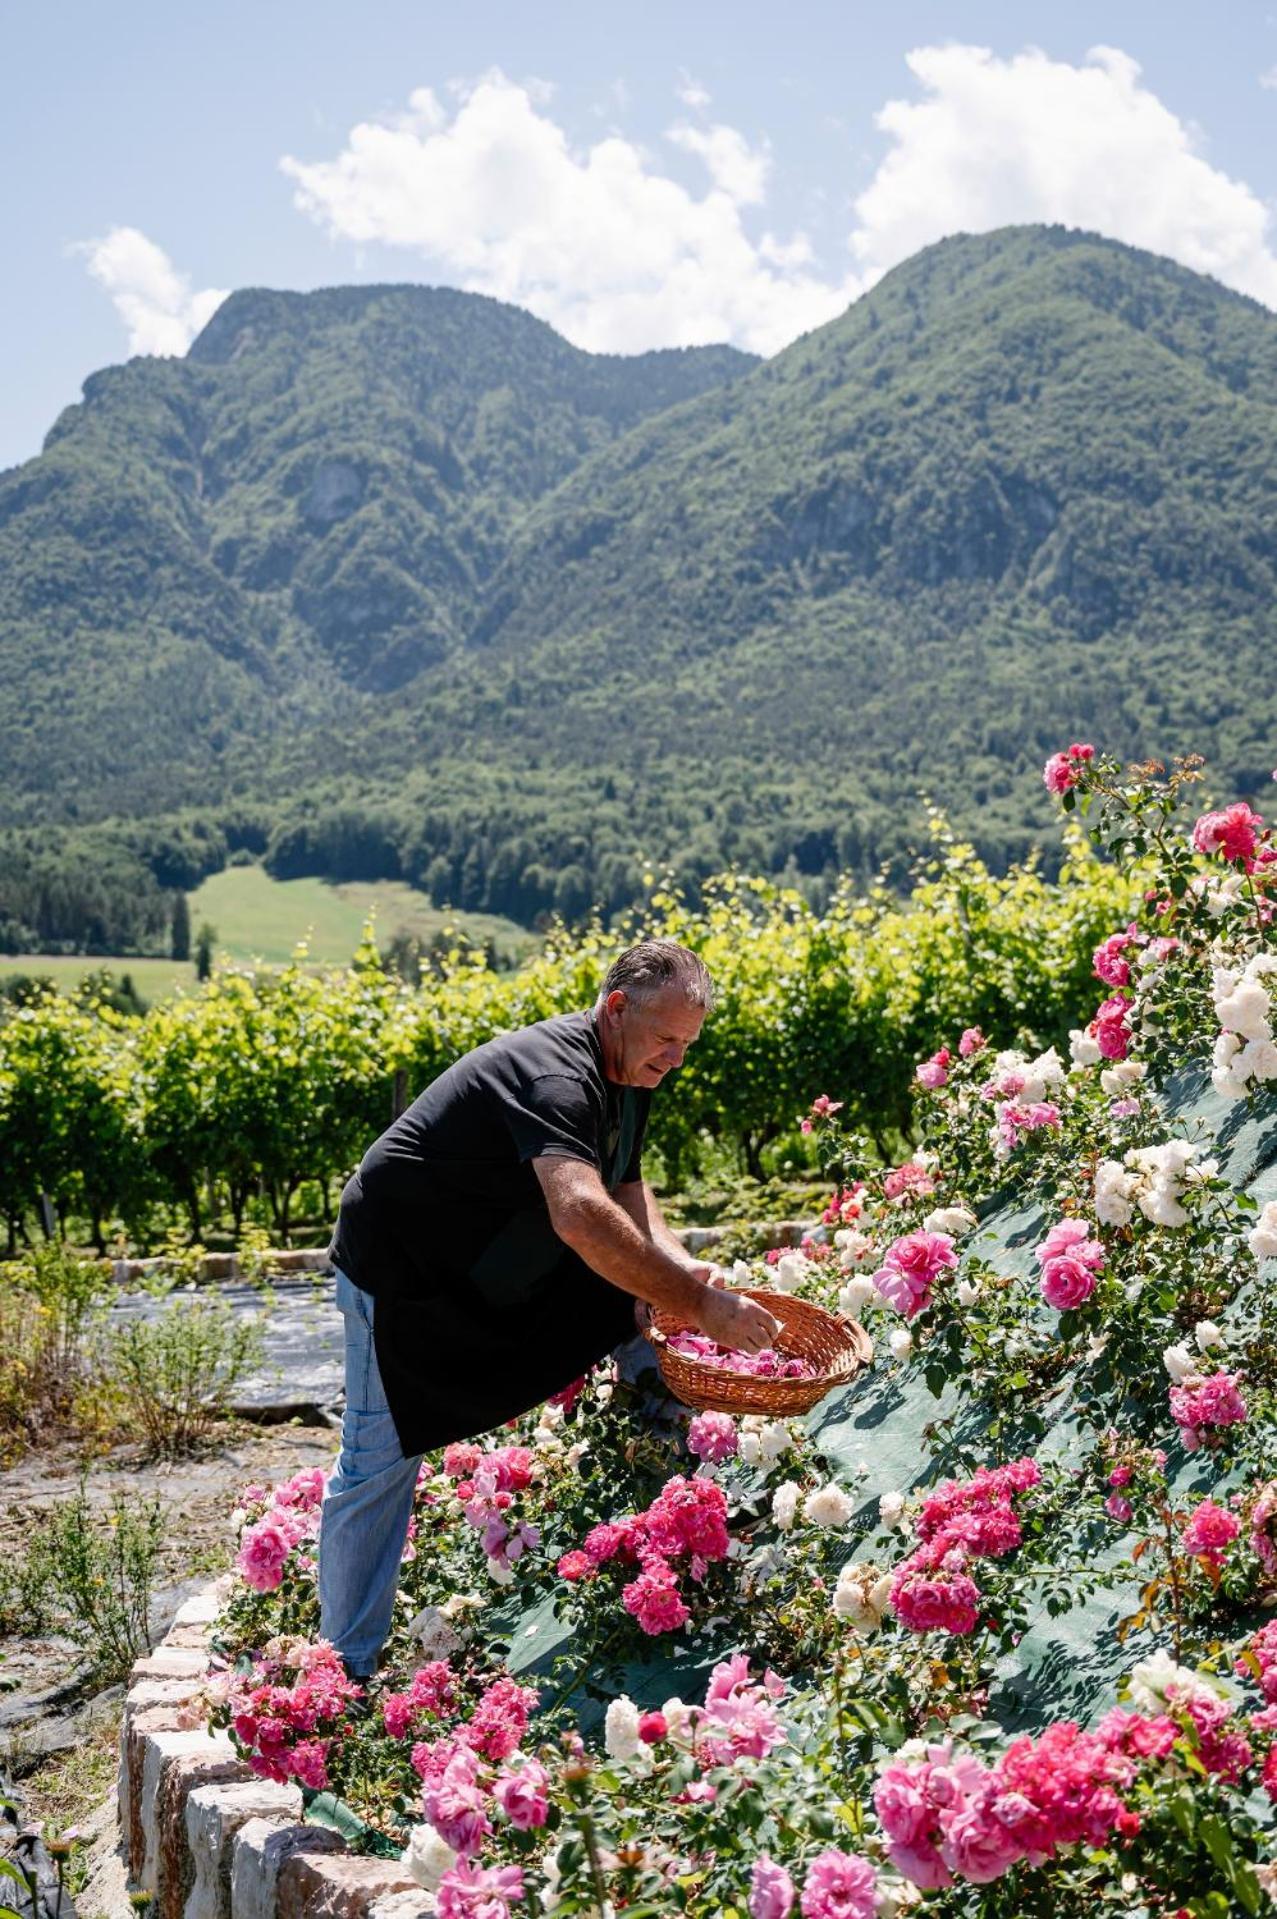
(736, 1322)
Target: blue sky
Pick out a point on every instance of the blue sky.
(639, 176)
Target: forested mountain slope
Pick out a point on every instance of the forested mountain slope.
(393, 581)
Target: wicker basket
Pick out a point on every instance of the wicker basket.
(838, 1348)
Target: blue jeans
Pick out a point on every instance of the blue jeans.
(367, 1502)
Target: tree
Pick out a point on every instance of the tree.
(181, 929)
(204, 951)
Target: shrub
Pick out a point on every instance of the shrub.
(92, 1575)
(176, 1373)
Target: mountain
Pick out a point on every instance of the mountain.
(218, 550)
(418, 588)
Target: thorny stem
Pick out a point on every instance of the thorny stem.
(586, 1824)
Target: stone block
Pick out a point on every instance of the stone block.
(171, 1662)
(178, 1774)
(404, 1905)
(260, 1852)
(138, 1727)
(214, 1815)
(337, 1888)
(202, 1608)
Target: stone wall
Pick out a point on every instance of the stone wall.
(208, 1839)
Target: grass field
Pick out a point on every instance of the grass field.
(261, 919)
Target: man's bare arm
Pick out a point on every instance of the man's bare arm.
(610, 1241)
(640, 1202)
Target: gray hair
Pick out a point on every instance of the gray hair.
(652, 965)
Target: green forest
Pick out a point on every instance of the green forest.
(394, 583)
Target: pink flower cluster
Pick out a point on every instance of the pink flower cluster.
(910, 1181)
(949, 1815)
(962, 1520)
(286, 1712)
(1064, 770)
(1263, 1528)
(1109, 958)
(1069, 1259)
(431, 1694)
(847, 1204)
(823, 1108)
(972, 1041)
(686, 1521)
(1110, 1027)
(1203, 1720)
(711, 1437)
(839, 1885)
(467, 1891)
(739, 1719)
(934, 1072)
(291, 1516)
(768, 1364)
(1233, 833)
(910, 1269)
(1014, 1121)
(1201, 1406)
(1259, 1660)
(470, 1767)
(1210, 1531)
(486, 1486)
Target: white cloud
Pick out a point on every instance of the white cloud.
(153, 299)
(618, 255)
(692, 94)
(1269, 78)
(613, 252)
(995, 142)
(734, 166)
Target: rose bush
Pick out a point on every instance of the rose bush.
(1103, 1377)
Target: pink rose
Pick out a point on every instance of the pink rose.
(1210, 1531)
(1232, 833)
(771, 1892)
(839, 1885)
(971, 1042)
(1066, 1282)
(1110, 1029)
(523, 1796)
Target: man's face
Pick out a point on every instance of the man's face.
(648, 1035)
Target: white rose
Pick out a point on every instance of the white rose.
(741, 1274)
(1179, 1362)
(775, 1439)
(954, 1220)
(900, 1342)
(785, 1504)
(828, 1506)
(1246, 1010)
(1262, 1239)
(621, 1729)
(1158, 1682)
(1083, 1050)
(1160, 1205)
(680, 1721)
(750, 1448)
(860, 1597)
(427, 1857)
(434, 1633)
(854, 1297)
(604, 1392)
(1113, 1189)
(856, 1249)
(1124, 1073)
(1258, 1060)
(968, 1292)
(1227, 1085)
(1220, 898)
(891, 1510)
(1207, 1334)
(789, 1272)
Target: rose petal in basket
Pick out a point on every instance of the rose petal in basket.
(837, 1348)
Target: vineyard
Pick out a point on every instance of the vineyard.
(988, 1632)
(224, 1107)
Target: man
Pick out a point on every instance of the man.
(495, 1243)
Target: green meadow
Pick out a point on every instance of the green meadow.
(263, 920)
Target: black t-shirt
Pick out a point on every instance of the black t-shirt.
(481, 1308)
